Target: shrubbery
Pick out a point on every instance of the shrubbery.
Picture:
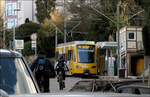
(27, 51)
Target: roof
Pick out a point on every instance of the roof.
(76, 42)
(9, 53)
(80, 94)
(106, 44)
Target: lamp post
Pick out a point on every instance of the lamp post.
(65, 22)
(14, 32)
(118, 33)
(56, 38)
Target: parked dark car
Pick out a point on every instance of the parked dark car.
(15, 75)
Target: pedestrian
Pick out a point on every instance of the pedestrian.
(43, 70)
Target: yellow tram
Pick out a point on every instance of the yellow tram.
(80, 56)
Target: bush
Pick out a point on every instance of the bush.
(146, 38)
(27, 51)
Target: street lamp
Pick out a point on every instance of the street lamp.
(14, 29)
(65, 23)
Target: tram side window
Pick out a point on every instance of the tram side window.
(69, 54)
(74, 58)
(66, 56)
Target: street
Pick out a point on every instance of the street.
(69, 82)
(101, 84)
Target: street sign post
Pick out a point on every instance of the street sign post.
(34, 42)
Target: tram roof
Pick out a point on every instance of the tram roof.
(76, 42)
(106, 44)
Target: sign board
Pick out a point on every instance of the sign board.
(33, 36)
(106, 44)
(33, 43)
(19, 44)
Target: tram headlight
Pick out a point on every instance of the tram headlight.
(78, 66)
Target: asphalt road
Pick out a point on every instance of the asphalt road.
(78, 84)
(69, 82)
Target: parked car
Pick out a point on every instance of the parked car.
(15, 75)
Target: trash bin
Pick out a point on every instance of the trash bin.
(121, 73)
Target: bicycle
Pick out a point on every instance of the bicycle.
(61, 81)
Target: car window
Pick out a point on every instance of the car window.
(14, 76)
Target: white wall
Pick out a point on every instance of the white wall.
(27, 7)
(28, 10)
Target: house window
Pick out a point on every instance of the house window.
(131, 35)
(10, 9)
(11, 23)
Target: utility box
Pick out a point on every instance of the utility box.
(132, 49)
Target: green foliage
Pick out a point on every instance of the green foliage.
(46, 44)
(25, 30)
(1, 22)
(83, 14)
(27, 51)
(47, 30)
(44, 8)
(99, 30)
(103, 27)
(98, 26)
(1, 32)
(145, 4)
(8, 35)
(46, 38)
(146, 37)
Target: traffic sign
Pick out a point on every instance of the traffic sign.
(33, 43)
(33, 36)
(19, 44)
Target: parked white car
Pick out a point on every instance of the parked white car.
(15, 75)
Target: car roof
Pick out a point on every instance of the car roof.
(9, 53)
(76, 94)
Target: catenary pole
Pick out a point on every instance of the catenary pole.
(65, 22)
(118, 36)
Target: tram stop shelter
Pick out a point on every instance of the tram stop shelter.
(109, 60)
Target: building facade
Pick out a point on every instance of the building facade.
(16, 11)
(11, 13)
(132, 50)
(1, 8)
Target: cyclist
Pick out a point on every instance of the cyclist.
(61, 66)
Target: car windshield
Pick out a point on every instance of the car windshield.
(14, 77)
(86, 53)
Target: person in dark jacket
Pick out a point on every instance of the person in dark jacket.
(61, 66)
(43, 70)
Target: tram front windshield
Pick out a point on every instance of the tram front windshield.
(86, 53)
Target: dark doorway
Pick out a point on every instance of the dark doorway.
(134, 60)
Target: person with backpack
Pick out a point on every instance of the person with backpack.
(61, 66)
(43, 70)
